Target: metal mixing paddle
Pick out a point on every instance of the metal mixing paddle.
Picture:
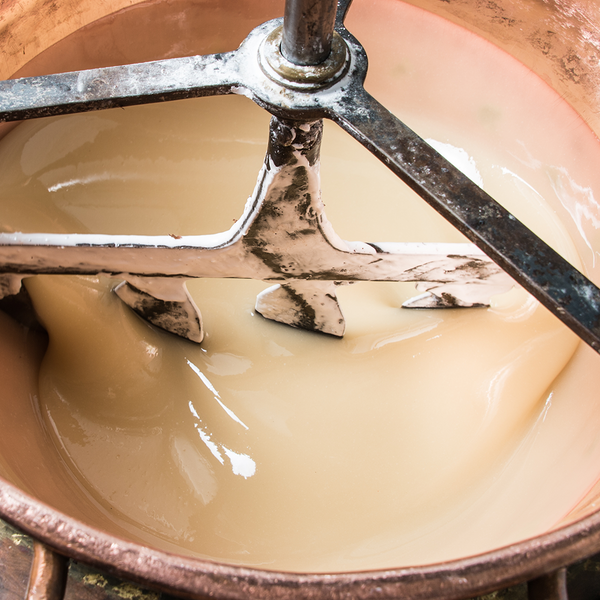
(301, 70)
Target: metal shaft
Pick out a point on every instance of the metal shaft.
(308, 30)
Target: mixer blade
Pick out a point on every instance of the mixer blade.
(165, 303)
(284, 235)
(293, 85)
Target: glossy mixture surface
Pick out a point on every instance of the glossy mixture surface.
(421, 436)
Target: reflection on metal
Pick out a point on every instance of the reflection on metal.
(526, 258)
(48, 578)
(308, 31)
(301, 77)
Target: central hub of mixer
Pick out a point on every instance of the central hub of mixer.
(303, 77)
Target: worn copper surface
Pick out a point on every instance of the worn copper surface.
(559, 41)
(48, 578)
(195, 578)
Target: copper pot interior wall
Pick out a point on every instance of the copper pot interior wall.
(559, 41)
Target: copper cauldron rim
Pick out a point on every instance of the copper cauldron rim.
(195, 577)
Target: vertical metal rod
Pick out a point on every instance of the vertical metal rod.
(308, 30)
(48, 577)
(548, 587)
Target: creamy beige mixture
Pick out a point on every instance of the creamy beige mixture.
(415, 438)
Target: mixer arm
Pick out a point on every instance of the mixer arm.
(551, 279)
(342, 10)
(141, 83)
(330, 89)
(118, 87)
(283, 236)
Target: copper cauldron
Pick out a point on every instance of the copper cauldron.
(560, 41)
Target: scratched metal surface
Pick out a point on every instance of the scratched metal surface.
(87, 583)
(562, 289)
